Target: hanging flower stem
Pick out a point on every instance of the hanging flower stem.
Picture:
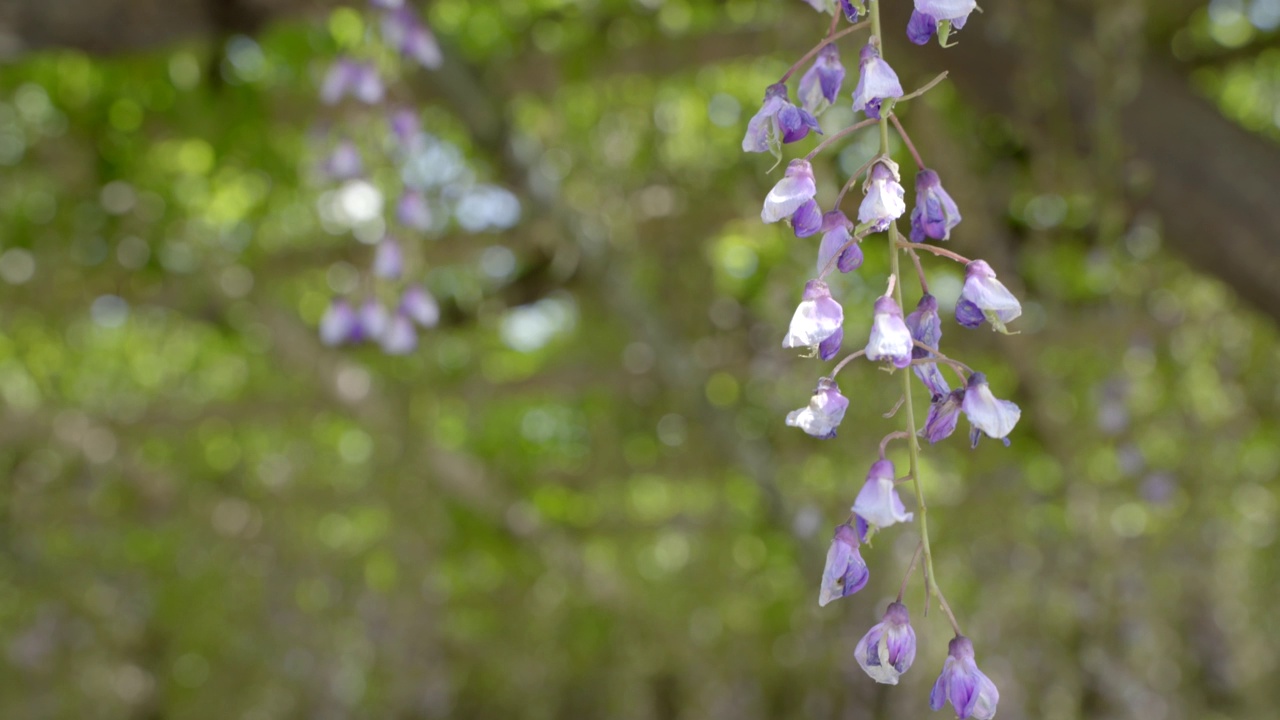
(913, 442)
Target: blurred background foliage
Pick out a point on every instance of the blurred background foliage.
(578, 498)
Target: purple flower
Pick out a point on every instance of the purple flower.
(889, 647)
(921, 27)
(935, 212)
(821, 84)
(344, 162)
(796, 188)
(399, 338)
(988, 414)
(402, 29)
(878, 502)
(421, 306)
(347, 77)
(807, 220)
(406, 127)
(413, 211)
(877, 82)
(837, 235)
(883, 201)
(817, 318)
(777, 122)
(373, 320)
(962, 684)
(845, 572)
(939, 16)
(339, 323)
(388, 259)
(988, 296)
(943, 415)
(823, 413)
(890, 339)
(852, 11)
(926, 327)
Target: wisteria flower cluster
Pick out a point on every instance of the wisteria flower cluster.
(393, 307)
(897, 341)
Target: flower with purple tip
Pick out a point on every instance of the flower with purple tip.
(388, 259)
(823, 413)
(877, 82)
(926, 328)
(984, 298)
(796, 188)
(821, 83)
(399, 338)
(837, 239)
(339, 323)
(878, 502)
(938, 16)
(845, 572)
(988, 414)
(883, 201)
(970, 692)
(777, 122)
(852, 10)
(889, 647)
(890, 339)
(817, 317)
(413, 211)
(935, 212)
(807, 220)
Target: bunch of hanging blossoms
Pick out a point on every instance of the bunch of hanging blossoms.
(896, 342)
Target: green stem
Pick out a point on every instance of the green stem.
(913, 440)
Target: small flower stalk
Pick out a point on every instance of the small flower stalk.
(894, 342)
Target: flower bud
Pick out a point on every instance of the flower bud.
(935, 212)
(883, 201)
(889, 647)
(970, 692)
(845, 572)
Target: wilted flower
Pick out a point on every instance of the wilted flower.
(339, 323)
(970, 692)
(344, 161)
(420, 305)
(988, 414)
(926, 328)
(940, 16)
(388, 259)
(399, 338)
(845, 572)
(817, 317)
(986, 295)
(943, 415)
(837, 232)
(890, 339)
(823, 413)
(877, 82)
(883, 201)
(878, 502)
(821, 84)
(889, 647)
(413, 211)
(796, 188)
(777, 122)
(935, 212)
